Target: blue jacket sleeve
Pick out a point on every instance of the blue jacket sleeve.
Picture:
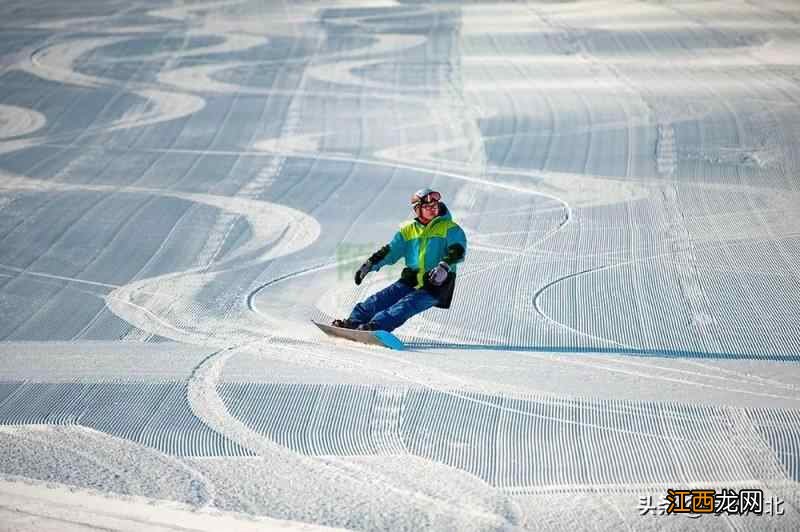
(397, 249)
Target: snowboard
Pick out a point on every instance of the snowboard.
(381, 338)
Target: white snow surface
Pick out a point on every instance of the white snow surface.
(185, 185)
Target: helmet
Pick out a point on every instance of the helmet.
(425, 195)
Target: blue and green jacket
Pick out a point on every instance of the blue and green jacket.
(423, 247)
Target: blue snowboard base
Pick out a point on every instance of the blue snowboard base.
(381, 338)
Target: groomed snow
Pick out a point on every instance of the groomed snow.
(184, 186)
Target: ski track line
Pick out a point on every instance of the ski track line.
(742, 379)
(271, 150)
(422, 169)
(8, 183)
(144, 205)
(134, 332)
(223, 225)
(252, 189)
(190, 78)
(686, 235)
(746, 376)
(121, 225)
(56, 63)
(147, 406)
(122, 88)
(396, 375)
(672, 379)
(263, 225)
(287, 238)
(536, 300)
(209, 407)
(249, 192)
(70, 58)
(22, 271)
(591, 271)
(451, 459)
(373, 353)
(252, 210)
(414, 381)
(225, 217)
(252, 306)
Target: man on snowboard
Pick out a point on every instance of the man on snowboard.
(432, 244)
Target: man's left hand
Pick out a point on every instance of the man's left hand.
(438, 275)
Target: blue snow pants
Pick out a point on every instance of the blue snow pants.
(392, 306)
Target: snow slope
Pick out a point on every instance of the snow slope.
(183, 186)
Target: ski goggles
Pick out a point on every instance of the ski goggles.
(431, 198)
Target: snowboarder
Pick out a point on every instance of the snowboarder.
(432, 245)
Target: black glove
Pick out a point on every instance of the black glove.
(455, 253)
(374, 259)
(363, 271)
(438, 275)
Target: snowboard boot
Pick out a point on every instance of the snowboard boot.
(345, 324)
(371, 326)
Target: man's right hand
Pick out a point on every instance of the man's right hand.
(363, 271)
